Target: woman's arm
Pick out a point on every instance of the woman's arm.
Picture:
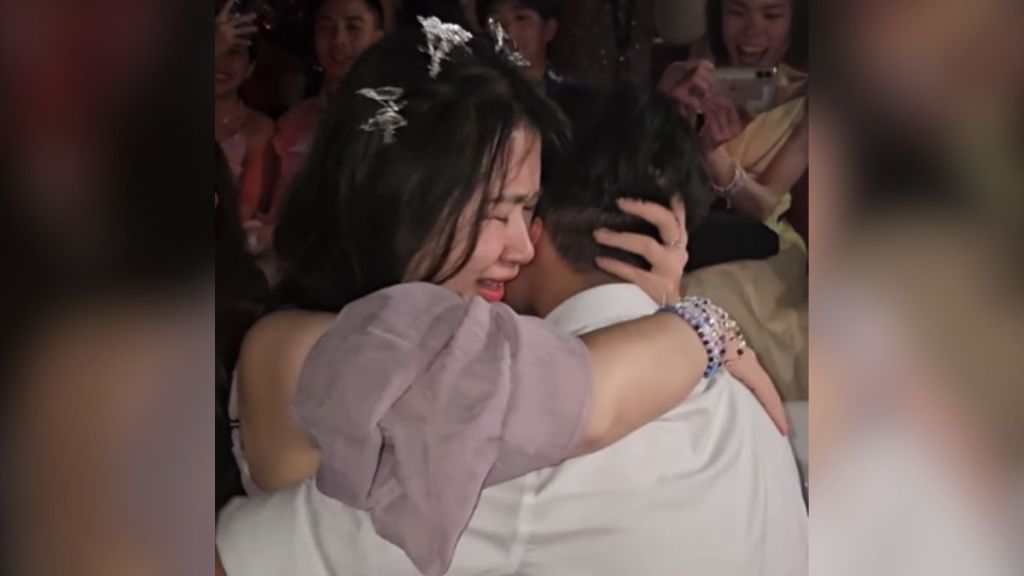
(759, 197)
(641, 370)
(278, 452)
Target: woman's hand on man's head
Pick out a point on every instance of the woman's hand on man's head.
(667, 258)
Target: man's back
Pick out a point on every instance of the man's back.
(709, 488)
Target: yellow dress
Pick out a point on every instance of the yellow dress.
(768, 298)
(760, 142)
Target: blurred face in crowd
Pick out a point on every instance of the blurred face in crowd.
(961, 68)
(530, 32)
(504, 244)
(344, 29)
(231, 70)
(756, 32)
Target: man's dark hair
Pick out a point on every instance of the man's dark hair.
(547, 9)
(627, 143)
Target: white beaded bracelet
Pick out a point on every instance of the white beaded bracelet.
(738, 176)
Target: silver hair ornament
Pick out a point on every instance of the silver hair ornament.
(442, 37)
(505, 45)
(388, 118)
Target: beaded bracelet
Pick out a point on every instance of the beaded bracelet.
(711, 323)
(738, 176)
(732, 330)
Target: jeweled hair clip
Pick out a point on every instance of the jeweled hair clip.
(388, 118)
(442, 37)
(505, 45)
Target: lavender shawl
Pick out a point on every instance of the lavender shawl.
(418, 400)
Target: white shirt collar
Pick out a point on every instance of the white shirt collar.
(601, 306)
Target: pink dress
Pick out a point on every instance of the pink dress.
(296, 132)
(234, 142)
(234, 147)
(233, 139)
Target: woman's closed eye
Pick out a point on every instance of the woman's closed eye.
(508, 207)
(502, 212)
(506, 213)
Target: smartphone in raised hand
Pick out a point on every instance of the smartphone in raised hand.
(754, 90)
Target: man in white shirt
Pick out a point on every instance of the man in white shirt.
(712, 486)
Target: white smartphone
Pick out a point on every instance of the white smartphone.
(752, 89)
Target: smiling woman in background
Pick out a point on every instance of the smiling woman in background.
(752, 162)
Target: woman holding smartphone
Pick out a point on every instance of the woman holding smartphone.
(752, 162)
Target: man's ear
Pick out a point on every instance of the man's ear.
(536, 230)
(550, 30)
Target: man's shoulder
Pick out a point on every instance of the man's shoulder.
(601, 306)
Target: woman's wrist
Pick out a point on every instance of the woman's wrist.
(726, 175)
(720, 166)
(735, 183)
(717, 331)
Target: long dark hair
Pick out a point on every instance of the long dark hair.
(363, 209)
(799, 31)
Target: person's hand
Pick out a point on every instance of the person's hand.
(259, 236)
(743, 364)
(232, 29)
(688, 82)
(722, 122)
(667, 258)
